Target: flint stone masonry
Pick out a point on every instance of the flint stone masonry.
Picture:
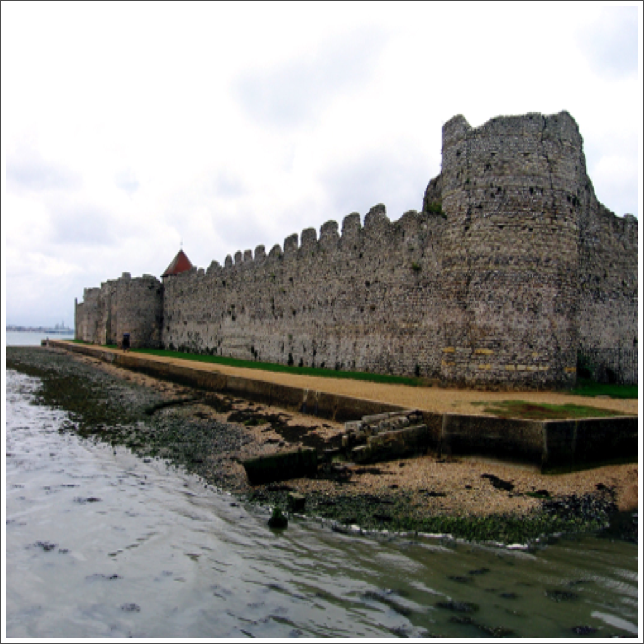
(510, 269)
(124, 305)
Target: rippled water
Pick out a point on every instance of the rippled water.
(100, 543)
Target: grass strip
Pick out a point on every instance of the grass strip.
(300, 371)
(583, 388)
(544, 411)
(591, 388)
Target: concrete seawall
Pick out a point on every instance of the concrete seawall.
(557, 444)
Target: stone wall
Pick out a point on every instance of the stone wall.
(365, 299)
(510, 253)
(608, 295)
(87, 315)
(124, 305)
(510, 269)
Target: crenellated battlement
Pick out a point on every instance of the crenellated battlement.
(511, 267)
(377, 224)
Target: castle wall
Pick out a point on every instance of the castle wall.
(365, 299)
(121, 306)
(511, 269)
(87, 315)
(510, 253)
(608, 281)
(608, 295)
(139, 311)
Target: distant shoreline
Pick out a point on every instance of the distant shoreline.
(39, 329)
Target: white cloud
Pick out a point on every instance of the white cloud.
(129, 128)
(610, 42)
(27, 171)
(297, 91)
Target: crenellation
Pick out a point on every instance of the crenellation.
(276, 252)
(308, 239)
(509, 270)
(351, 228)
(290, 245)
(376, 218)
(329, 236)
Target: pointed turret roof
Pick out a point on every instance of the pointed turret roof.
(180, 264)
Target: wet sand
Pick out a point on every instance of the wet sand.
(413, 492)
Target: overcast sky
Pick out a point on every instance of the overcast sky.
(129, 128)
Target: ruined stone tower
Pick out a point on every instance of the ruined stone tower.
(510, 263)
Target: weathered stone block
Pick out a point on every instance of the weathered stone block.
(296, 501)
(281, 466)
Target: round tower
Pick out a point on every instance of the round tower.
(510, 251)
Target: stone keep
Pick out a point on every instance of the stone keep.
(510, 269)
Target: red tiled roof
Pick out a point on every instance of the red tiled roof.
(179, 264)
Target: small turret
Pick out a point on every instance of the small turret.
(180, 264)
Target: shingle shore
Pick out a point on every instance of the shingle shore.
(209, 434)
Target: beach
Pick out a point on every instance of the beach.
(210, 434)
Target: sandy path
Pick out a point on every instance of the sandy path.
(434, 399)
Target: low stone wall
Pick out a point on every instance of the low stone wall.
(317, 403)
(510, 439)
(283, 466)
(569, 444)
(561, 444)
(385, 437)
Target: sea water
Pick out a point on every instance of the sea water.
(101, 543)
(33, 338)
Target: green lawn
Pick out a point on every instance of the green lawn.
(543, 411)
(590, 388)
(584, 387)
(300, 371)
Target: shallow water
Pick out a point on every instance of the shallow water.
(100, 543)
(32, 338)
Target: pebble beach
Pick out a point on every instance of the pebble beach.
(210, 434)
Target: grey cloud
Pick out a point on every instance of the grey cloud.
(127, 181)
(378, 178)
(611, 43)
(242, 231)
(27, 170)
(34, 298)
(83, 224)
(296, 92)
